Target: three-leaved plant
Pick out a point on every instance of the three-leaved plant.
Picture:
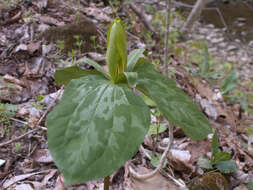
(100, 122)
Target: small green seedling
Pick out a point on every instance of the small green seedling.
(250, 185)
(100, 122)
(219, 160)
(79, 42)
(7, 111)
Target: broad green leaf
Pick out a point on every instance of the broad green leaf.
(131, 78)
(250, 185)
(215, 144)
(173, 103)
(133, 58)
(221, 156)
(204, 163)
(154, 129)
(226, 166)
(230, 82)
(116, 54)
(95, 65)
(148, 101)
(96, 128)
(64, 76)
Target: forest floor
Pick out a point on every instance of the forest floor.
(37, 37)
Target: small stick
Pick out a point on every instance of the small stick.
(142, 18)
(160, 165)
(168, 2)
(37, 124)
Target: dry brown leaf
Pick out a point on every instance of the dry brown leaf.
(60, 183)
(24, 187)
(99, 14)
(154, 183)
(18, 178)
(197, 148)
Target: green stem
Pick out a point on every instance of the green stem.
(107, 183)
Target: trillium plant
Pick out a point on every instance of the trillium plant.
(100, 122)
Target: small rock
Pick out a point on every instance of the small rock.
(43, 27)
(240, 24)
(203, 30)
(245, 59)
(165, 142)
(213, 49)
(231, 59)
(241, 187)
(217, 40)
(210, 26)
(251, 43)
(223, 44)
(232, 48)
(240, 19)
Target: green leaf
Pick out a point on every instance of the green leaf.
(215, 144)
(230, 82)
(204, 163)
(155, 160)
(173, 103)
(133, 58)
(226, 166)
(95, 65)
(131, 78)
(204, 66)
(148, 101)
(116, 54)
(96, 128)
(221, 156)
(250, 185)
(154, 129)
(64, 76)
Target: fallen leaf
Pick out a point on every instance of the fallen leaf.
(153, 183)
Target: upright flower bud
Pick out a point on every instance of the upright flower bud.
(116, 55)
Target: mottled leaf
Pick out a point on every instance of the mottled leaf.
(96, 128)
(174, 104)
(64, 76)
(226, 166)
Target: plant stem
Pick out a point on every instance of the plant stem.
(107, 183)
(168, 2)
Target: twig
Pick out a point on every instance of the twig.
(168, 2)
(209, 8)
(161, 163)
(26, 123)
(195, 13)
(37, 124)
(179, 182)
(142, 18)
